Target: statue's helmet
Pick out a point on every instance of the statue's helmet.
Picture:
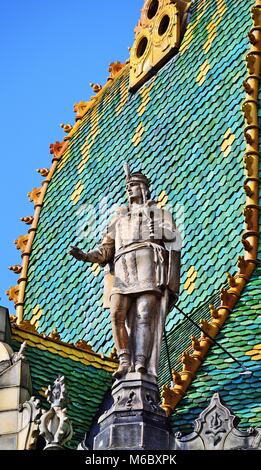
(137, 178)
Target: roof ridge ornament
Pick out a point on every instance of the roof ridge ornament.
(157, 37)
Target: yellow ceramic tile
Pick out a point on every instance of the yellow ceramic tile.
(255, 353)
(63, 160)
(138, 134)
(187, 284)
(42, 392)
(191, 288)
(87, 145)
(36, 316)
(204, 68)
(194, 276)
(212, 33)
(95, 269)
(77, 192)
(191, 271)
(145, 95)
(123, 97)
(191, 277)
(162, 199)
(85, 151)
(228, 140)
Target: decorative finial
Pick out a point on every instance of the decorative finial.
(21, 242)
(96, 87)
(114, 69)
(248, 87)
(35, 195)
(195, 343)
(213, 312)
(13, 293)
(16, 268)
(66, 127)
(224, 297)
(57, 393)
(248, 162)
(55, 425)
(27, 220)
(248, 215)
(81, 344)
(231, 280)
(176, 377)
(55, 335)
(242, 265)
(248, 190)
(43, 171)
(113, 354)
(20, 354)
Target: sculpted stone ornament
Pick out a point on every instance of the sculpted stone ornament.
(141, 246)
(55, 426)
(215, 429)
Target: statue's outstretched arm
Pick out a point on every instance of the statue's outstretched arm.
(102, 255)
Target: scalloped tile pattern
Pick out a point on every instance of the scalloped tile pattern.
(175, 133)
(180, 149)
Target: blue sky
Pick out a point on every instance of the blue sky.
(50, 51)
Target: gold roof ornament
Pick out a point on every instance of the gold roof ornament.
(28, 220)
(43, 172)
(66, 127)
(21, 242)
(57, 149)
(35, 195)
(81, 344)
(96, 87)
(115, 68)
(13, 293)
(16, 268)
(157, 37)
(54, 335)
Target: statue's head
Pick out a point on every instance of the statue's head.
(137, 185)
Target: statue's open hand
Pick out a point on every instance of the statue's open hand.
(77, 253)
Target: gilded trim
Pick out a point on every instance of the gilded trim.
(246, 264)
(24, 242)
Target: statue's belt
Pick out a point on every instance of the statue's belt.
(156, 245)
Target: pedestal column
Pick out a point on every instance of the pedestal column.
(135, 421)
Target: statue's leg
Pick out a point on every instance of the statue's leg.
(120, 305)
(147, 306)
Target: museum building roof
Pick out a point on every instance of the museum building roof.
(185, 129)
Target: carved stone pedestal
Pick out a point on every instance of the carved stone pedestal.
(135, 420)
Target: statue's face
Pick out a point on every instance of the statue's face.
(134, 191)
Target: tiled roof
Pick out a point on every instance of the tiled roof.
(184, 129)
(187, 136)
(240, 392)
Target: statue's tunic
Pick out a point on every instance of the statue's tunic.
(138, 244)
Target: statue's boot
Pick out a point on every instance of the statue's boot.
(140, 364)
(123, 369)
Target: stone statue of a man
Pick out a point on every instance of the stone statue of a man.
(142, 247)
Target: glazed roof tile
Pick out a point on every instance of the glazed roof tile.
(177, 138)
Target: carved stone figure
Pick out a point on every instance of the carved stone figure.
(142, 248)
(55, 425)
(215, 429)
